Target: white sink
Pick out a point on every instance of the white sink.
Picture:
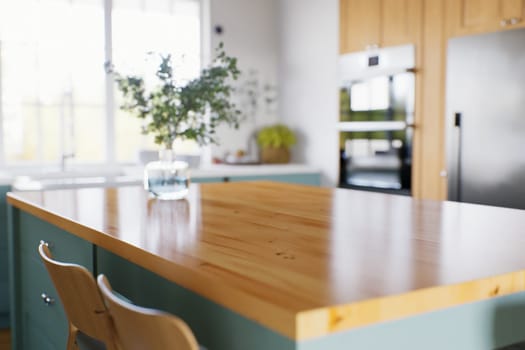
(75, 179)
(53, 173)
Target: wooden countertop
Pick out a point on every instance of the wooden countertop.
(303, 261)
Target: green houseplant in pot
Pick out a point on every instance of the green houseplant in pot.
(275, 142)
(188, 111)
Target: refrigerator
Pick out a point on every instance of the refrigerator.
(485, 118)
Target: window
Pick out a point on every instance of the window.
(132, 42)
(54, 97)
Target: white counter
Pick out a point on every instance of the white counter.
(223, 170)
(6, 178)
(134, 176)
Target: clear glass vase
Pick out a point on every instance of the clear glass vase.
(167, 178)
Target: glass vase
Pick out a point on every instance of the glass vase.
(167, 179)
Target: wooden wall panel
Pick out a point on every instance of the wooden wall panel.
(400, 22)
(429, 140)
(361, 25)
(511, 9)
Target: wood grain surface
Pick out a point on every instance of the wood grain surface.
(5, 339)
(303, 261)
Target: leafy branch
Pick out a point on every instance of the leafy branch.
(189, 112)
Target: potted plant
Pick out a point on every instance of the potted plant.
(187, 111)
(275, 142)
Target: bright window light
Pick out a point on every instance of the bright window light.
(132, 48)
(52, 78)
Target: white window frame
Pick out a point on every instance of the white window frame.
(109, 112)
(110, 83)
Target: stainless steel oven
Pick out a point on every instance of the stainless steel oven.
(376, 119)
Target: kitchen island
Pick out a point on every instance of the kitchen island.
(263, 265)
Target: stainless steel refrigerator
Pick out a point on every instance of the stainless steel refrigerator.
(485, 111)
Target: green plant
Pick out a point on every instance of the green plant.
(276, 136)
(188, 112)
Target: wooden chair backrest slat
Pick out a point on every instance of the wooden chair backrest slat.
(141, 328)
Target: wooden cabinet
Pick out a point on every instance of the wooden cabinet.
(360, 24)
(511, 12)
(482, 16)
(400, 22)
(366, 24)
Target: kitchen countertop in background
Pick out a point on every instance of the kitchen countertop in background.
(222, 170)
(5, 178)
(133, 175)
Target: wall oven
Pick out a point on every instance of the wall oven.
(376, 119)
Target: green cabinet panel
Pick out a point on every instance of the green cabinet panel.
(313, 179)
(4, 287)
(35, 337)
(203, 180)
(63, 245)
(304, 179)
(33, 321)
(215, 327)
(41, 322)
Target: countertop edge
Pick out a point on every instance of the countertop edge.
(324, 321)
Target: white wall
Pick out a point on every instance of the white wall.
(250, 34)
(309, 46)
(293, 44)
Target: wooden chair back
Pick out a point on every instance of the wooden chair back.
(82, 301)
(140, 328)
